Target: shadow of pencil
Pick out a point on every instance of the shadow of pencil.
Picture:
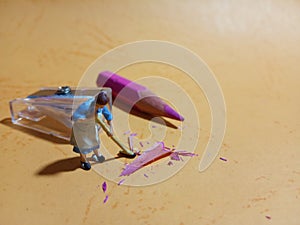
(7, 122)
(143, 115)
(60, 166)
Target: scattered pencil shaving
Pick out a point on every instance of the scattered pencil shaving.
(141, 144)
(186, 153)
(170, 163)
(153, 126)
(268, 217)
(137, 152)
(133, 134)
(121, 182)
(154, 153)
(145, 175)
(105, 199)
(127, 132)
(104, 186)
(175, 156)
(223, 159)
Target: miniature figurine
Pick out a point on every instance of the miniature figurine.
(84, 137)
(72, 117)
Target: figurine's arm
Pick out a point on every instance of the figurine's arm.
(111, 130)
(108, 117)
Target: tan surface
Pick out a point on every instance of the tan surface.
(253, 49)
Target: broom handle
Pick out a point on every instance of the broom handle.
(117, 141)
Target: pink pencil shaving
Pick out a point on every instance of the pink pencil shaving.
(137, 152)
(170, 163)
(141, 144)
(153, 154)
(133, 134)
(104, 186)
(223, 159)
(127, 132)
(158, 151)
(121, 182)
(145, 175)
(105, 199)
(268, 217)
(175, 156)
(185, 153)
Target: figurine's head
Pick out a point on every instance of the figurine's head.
(102, 99)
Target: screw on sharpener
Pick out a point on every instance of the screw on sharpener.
(63, 90)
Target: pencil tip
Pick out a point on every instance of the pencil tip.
(172, 113)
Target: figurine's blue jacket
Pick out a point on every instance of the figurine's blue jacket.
(86, 110)
(105, 112)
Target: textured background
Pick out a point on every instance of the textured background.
(253, 47)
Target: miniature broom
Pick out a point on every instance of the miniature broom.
(124, 150)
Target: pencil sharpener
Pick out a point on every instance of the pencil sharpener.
(50, 110)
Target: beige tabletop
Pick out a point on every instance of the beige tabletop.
(253, 48)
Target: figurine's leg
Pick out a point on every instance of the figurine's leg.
(84, 163)
(97, 153)
(98, 156)
(83, 158)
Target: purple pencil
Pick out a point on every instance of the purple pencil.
(136, 96)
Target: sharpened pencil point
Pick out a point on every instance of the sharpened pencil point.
(171, 113)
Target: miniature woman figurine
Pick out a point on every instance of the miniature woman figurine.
(85, 132)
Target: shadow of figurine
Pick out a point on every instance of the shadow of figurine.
(70, 164)
(60, 166)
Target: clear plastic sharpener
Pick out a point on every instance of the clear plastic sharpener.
(50, 110)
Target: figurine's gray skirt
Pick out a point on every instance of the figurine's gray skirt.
(85, 135)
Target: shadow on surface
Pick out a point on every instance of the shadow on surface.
(60, 166)
(69, 165)
(7, 122)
